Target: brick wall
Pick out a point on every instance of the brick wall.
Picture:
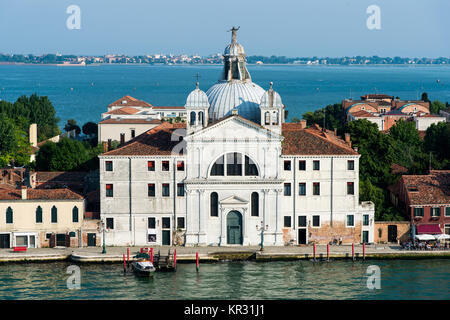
(381, 231)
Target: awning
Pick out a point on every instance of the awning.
(428, 229)
(442, 236)
(425, 237)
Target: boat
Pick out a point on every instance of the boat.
(142, 266)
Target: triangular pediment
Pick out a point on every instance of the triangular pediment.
(234, 127)
(234, 200)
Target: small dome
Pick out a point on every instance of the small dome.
(197, 99)
(271, 99)
(245, 96)
(234, 49)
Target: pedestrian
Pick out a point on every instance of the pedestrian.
(340, 240)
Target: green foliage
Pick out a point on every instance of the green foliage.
(90, 128)
(14, 146)
(67, 155)
(72, 125)
(437, 141)
(436, 106)
(334, 117)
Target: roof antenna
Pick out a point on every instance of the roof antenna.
(197, 83)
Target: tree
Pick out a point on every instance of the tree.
(90, 128)
(425, 97)
(437, 142)
(332, 115)
(72, 125)
(436, 106)
(14, 145)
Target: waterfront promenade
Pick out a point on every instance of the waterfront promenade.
(215, 254)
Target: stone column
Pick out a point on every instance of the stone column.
(245, 227)
(201, 218)
(223, 229)
(191, 226)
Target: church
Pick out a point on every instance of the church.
(234, 174)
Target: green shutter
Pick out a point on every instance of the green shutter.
(39, 214)
(75, 214)
(9, 215)
(54, 215)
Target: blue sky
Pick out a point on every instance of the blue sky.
(413, 28)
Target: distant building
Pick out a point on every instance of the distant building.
(426, 199)
(385, 111)
(445, 113)
(129, 117)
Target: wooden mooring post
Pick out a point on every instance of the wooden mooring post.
(197, 262)
(124, 264)
(151, 255)
(328, 252)
(353, 251)
(364, 251)
(314, 251)
(128, 256)
(175, 259)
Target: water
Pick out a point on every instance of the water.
(400, 279)
(83, 93)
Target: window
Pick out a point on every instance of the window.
(180, 223)
(302, 221)
(180, 165)
(54, 215)
(109, 190)
(151, 190)
(218, 167)
(166, 223)
(365, 220)
(39, 214)
(350, 188)
(316, 188)
(72, 234)
(180, 189)
(447, 211)
(302, 189)
(133, 133)
(192, 118)
(418, 212)
(75, 214)
(350, 165)
(110, 223)
(267, 117)
(250, 167)
(436, 212)
(165, 190)
(151, 165)
(234, 164)
(48, 236)
(108, 165)
(151, 223)
(287, 165)
(287, 189)
(255, 204)
(316, 221)
(201, 118)
(9, 215)
(287, 222)
(350, 220)
(214, 204)
(316, 165)
(302, 165)
(165, 165)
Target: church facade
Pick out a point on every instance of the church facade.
(234, 174)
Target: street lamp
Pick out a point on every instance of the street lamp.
(104, 245)
(262, 229)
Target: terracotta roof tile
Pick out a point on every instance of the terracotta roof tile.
(124, 110)
(163, 107)
(129, 101)
(156, 141)
(131, 121)
(363, 114)
(433, 188)
(41, 194)
(60, 176)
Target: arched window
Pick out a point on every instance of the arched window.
(233, 163)
(54, 215)
(9, 215)
(250, 167)
(255, 204)
(218, 167)
(192, 122)
(75, 214)
(39, 214)
(214, 202)
(267, 117)
(275, 118)
(201, 118)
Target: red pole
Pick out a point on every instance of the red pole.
(175, 259)
(328, 252)
(128, 255)
(197, 261)
(151, 255)
(364, 251)
(353, 251)
(314, 250)
(124, 264)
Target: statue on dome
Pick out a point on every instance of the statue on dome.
(233, 33)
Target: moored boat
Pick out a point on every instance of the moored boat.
(142, 266)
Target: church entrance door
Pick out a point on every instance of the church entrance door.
(234, 228)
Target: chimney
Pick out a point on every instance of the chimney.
(24, 193)
(109, 144)
(105, 146)
(302, 124)
(122, 138)
(335, 132)
(347, 139)
(33, 134)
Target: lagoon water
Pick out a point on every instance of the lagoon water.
(83, 93)
(342, 279)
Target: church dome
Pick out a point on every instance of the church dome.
(235, 88)
(197, 99)
(245, 96)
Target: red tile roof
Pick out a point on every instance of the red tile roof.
(129, 101)
(433, 188)
(312, 141)
(131, 121)
(161, 107)
(40, 194)
(156, 141)
(124, 110)
(363, 114)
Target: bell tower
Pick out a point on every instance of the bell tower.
(197, 106)
(272, 110)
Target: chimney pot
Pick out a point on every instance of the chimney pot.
(24, 193)
(105, 146)
(303, 124)
(347, 139)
